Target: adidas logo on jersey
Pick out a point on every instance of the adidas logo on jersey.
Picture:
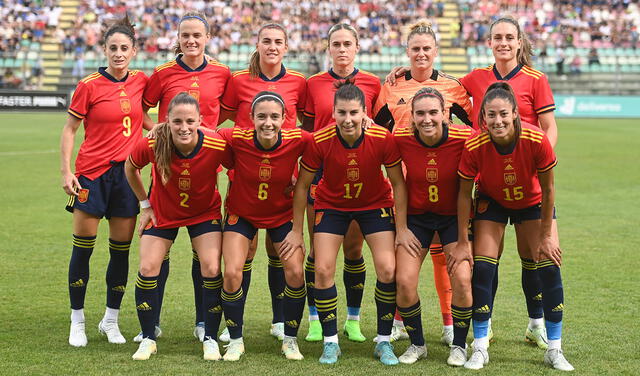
(461, 324)
(143, 307)
(559, 308)
(483, 309)
(331, 317)
(432, 162)
(120, 288)
(401, 101)
(359, 286)
(353, 162)
(508, 167)
(230, 323)
(78, 283)
(387, 317)
(538, 297)
(292, 323)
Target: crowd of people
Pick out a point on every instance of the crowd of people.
(567, 23)
(379, 23)
(508, 111)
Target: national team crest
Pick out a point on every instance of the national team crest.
(483, 205)
(184, 184)
(232, 219)
(319, 217)
(432, 175)
(195, 94)
(265, 173)
(353, 174)
(125, 105)
(83, 195)
(509, 178)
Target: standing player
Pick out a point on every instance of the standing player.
(205, 79)
(431, 149)
(266, 73)
(513, 162)
(185, 162)
(393, 108)
(109, 102)
(352, 188)
(264, 162)
(342, 47)
(512, 53)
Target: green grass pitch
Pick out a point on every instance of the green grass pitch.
(598, 190)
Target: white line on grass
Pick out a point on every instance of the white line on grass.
(18, 153)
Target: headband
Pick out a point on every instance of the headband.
(206, 24)
(421, 95)
(253, 104)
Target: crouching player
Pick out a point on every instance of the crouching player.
(185, 161)
(431, 149)
(264, 161)
(514, 162)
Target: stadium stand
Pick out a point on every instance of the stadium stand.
(60, 39)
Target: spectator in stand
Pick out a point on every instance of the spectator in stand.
(593, 57)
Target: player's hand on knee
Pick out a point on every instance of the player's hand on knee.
(551, 250)
(460, 253)
(147, 220)
(291, 243)
(406, 239)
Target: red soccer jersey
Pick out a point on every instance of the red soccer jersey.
(510, 179)
(205, 83)
(291, 85)
(352, 178)
(531, 87)
(320, 104)
(262, 175)
(112, 114)
(190, 196)
(431, 171)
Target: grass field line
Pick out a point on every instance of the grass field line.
(26, 152)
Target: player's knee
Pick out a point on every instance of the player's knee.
(324, 275)
(386, 274)
(148, 269)
(232, 278)
(210, 270)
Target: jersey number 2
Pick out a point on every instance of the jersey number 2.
(185, 198)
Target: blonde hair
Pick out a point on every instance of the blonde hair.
(254, 60)
(163, 147)
(195, 15)
(422, 27)
(525, 51)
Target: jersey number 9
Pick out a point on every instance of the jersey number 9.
(126, 123)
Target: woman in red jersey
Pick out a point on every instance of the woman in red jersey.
(512, 52)
(513, 162)
(352, 188)
(185, 161)
(342, 48)
(205, 79)
(266, 72)
(431, 149)
(109, 102)
(264, 162)
(393, 109)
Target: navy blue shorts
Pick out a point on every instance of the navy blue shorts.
(194, 230)
(424, 226)
(370, 221)
(311, 195)
(487, 209)
(107, 196)
(242, 226)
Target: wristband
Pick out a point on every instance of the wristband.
(145, 204)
